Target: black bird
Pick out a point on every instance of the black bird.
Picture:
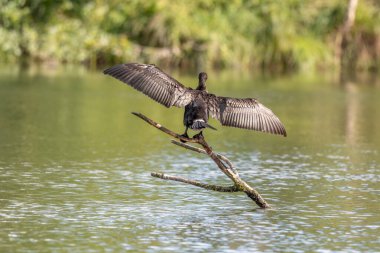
(245, 113)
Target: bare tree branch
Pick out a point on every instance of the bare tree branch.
(226, 167)
(202, 151)
(164, 129)
(217, 188)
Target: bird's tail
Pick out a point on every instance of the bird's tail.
(200, 124)
(209, 126)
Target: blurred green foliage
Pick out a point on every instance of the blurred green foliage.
(261, 34)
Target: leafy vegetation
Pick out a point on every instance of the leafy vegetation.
(261, 34)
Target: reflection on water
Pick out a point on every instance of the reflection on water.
(74, 170)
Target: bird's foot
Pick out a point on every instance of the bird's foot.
(184, 135)
(198, 136)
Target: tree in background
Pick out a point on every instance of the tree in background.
(276, 36)
(348, 56)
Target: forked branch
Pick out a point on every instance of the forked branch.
(222, 162)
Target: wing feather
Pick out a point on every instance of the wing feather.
(153, 82)
(245, 113)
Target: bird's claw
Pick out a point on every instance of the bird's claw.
(184, 135)
(198, 136)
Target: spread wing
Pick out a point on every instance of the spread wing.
(153, 82)
(245, 113)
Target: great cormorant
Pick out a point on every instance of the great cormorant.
(245, 113)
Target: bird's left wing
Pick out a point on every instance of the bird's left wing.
(245, 113)
(153, 82)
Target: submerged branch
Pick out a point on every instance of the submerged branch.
(222, 162)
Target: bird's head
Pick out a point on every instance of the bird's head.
(202, 77)
(202, 81)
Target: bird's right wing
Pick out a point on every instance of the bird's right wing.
(153, 82)
(245, 113)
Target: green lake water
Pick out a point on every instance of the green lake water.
(75, 168)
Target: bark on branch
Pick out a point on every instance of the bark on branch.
(212, 187)
(222, 162)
